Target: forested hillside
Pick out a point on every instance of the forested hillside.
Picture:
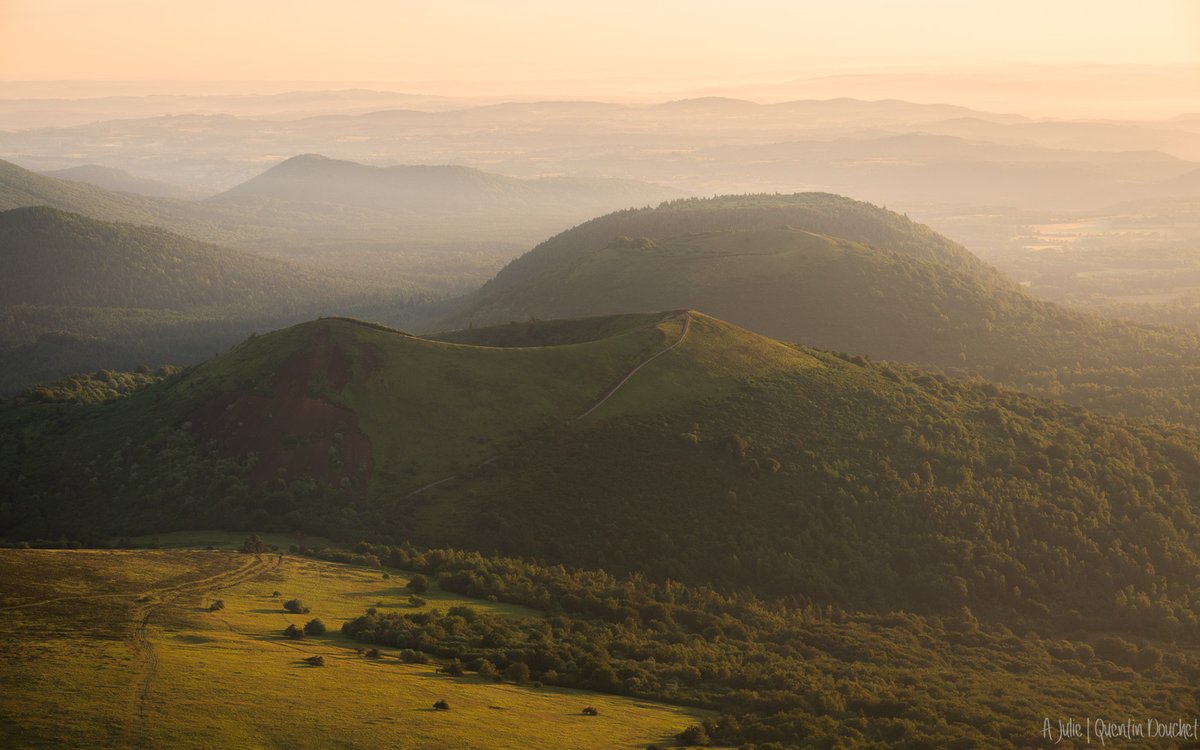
(830, 272)
(743, 462)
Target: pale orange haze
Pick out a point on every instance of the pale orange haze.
(614, 49)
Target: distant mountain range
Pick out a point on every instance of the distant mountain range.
(430, 227)
(315, 180)
(901, 153)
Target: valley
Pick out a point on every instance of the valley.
(527, 376)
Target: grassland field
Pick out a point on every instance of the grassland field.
(119, 649)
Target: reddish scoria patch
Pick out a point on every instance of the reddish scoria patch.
(287, 427)
(370, 358)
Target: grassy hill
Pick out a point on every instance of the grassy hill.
(835, 273)
(742, 461)
(808, 544)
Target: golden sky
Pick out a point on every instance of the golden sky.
(526, 46)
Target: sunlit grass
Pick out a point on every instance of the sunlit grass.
(229, 678)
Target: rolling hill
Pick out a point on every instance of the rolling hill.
(52, 257)
(20, 188)
(80, 294)
(119, 180)
(832, 272)
(675, 444)
(444, 230)
(810, 545)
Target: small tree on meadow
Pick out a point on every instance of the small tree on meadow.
(314, 627)
(517, 672)
(418, 584)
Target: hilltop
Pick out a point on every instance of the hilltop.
(835, 273)
(315, 179)
(674, 444)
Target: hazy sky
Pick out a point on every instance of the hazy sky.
(529, 45)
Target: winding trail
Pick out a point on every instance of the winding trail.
(687, 322)
(147, 659)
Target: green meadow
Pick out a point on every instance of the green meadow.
(120, 648)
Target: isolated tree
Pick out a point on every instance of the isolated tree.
(418, 584)
(295, 606)
(314, 627)
(254, 544)
(517, 672)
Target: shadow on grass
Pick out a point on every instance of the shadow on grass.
(398, 591)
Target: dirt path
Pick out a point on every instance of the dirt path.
(687, 322)
(144, 654)
(75, 597)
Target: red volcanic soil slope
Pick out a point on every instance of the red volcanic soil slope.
(293, 430)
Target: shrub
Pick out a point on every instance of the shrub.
(416, 601)
(293, 632)
(314, 627)
(217, 605)
(295, 606)
(418, 584)
(590, 711)
(518, 672)
(487, 670)
(374, 653)
(693, 736)
(316, 661)
(441, 706)
(454, 668)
